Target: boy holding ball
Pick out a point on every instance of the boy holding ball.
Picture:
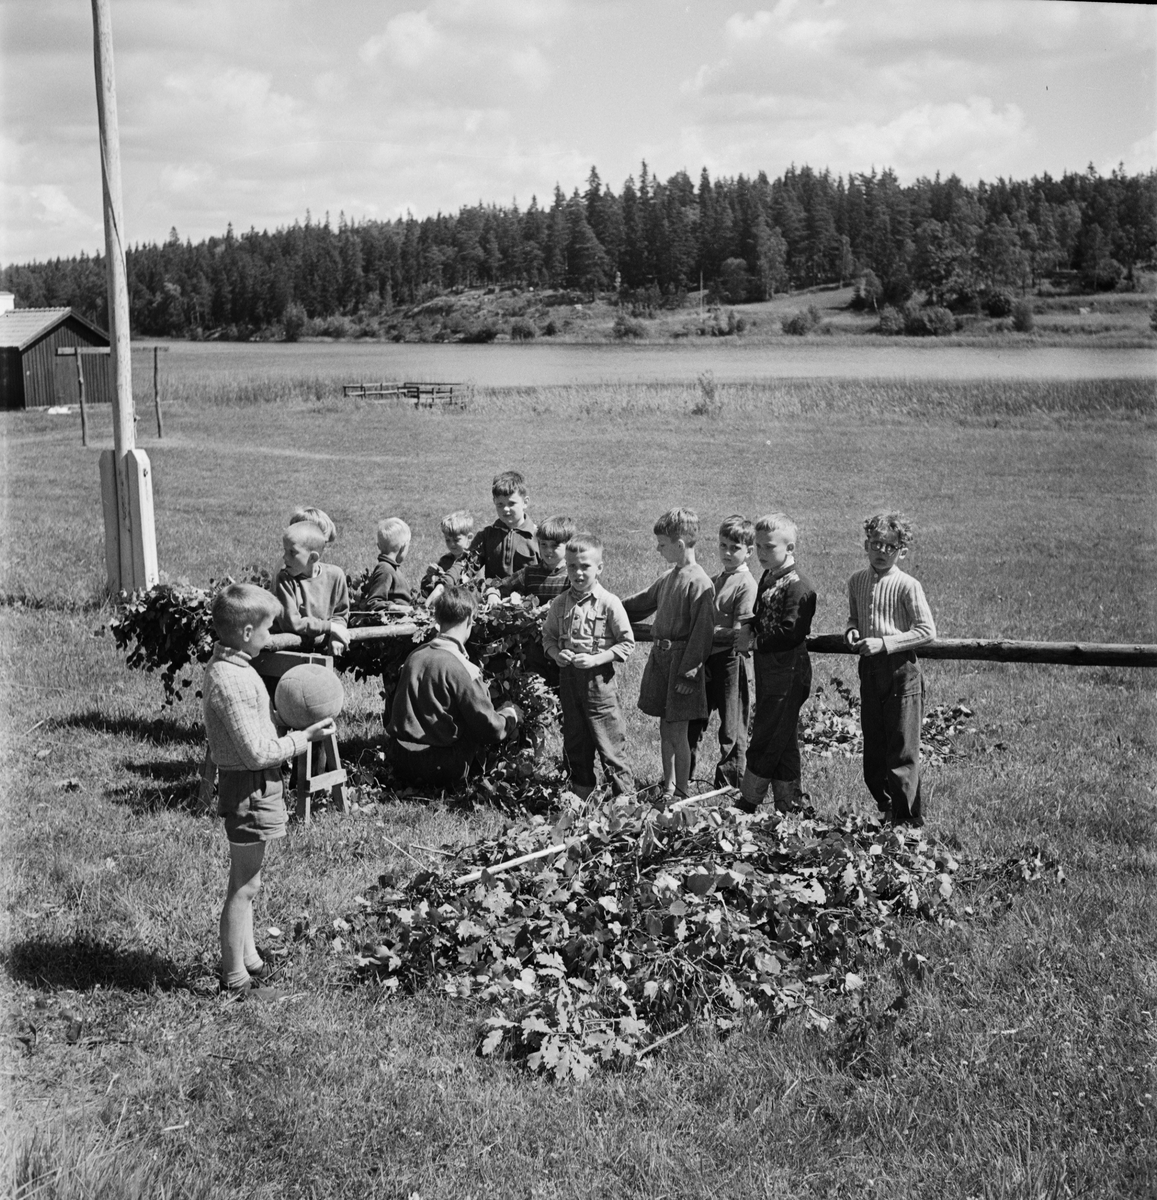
(245, 746)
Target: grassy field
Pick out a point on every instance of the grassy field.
(1024, 1063)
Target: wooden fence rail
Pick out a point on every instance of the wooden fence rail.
(424, 395)
(1073, 654)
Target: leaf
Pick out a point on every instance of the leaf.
(492, 1040)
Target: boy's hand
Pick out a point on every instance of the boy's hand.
(339, 635)
(513, 714)
(744, 639)
(868, 646)
(686, 686)
(320, 730)
(565, 657)
(584, 661)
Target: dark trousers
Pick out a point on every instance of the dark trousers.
(891, 710)
(592, 721)
(728, 694)
(431, 766)
(783, 681)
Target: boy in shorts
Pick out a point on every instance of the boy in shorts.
(683, 602)
(728, 691)
(888, 618)
(586, 632)
(245, 746)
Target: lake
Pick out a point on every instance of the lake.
(544, 364)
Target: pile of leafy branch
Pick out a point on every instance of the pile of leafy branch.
(648, 921)
(832, 727)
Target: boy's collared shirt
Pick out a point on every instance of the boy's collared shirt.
(499, 550)
(890, 606)
(386, 585)
(238, 715)
(734, 602)
(588, 623)
(537, 579)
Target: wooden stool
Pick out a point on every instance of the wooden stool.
(311, 764)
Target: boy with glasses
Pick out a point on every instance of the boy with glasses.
(888, 618)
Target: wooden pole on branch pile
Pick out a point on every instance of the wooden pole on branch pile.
(126, 477)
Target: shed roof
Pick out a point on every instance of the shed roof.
(23, 326)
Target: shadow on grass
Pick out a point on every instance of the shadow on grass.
(165, 786)
(160, 730)
(85, 963)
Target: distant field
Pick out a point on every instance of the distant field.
(1022, 1066)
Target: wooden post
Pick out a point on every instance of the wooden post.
(134, 531)
(157, 392)
(80, 392)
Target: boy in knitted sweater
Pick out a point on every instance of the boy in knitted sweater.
(888, 618)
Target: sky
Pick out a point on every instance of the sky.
(252, 112)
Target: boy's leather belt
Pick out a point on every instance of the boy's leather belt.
(668, 643)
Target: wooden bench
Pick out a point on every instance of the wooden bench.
(318, 767)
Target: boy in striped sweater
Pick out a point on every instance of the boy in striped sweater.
(888, 618)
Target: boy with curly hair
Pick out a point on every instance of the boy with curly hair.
(888, 619)
(683, 602)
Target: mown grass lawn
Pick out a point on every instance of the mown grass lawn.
(1023, 1064)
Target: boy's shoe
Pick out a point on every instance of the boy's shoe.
(253, 992)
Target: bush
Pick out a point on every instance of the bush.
(1153, 318)
(293, 321)
(522, 330)
(626, 327)
(868, 292)
(480, 333)
(998, 304)
(934, 321)
(891, 321)
(1104, 277)
(803, 322)
(550, 328)
(1022, 316)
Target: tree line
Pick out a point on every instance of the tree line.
(743, 238)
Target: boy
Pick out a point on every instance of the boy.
(244, 744)
(548, 577)
(726, 677)
(587, 633)
(888, 618)
(313, 595)
(683, 602)
(386, 586)
(442, 712)
(504, 548)
(457, 534)
(318, 517)
(785, 604)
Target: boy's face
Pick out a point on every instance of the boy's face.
(884, 550)
(583, 567)
(670, 549)
(553, 554)
(299, 559)
(457, 543)
(773, 548)
(254, 638)
(510, 509)
(733, 554)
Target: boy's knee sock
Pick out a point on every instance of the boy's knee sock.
(233, 981)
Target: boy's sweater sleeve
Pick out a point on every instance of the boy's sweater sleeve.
(552, 626)
(513, 583)
(644, 603)
(853, 608)
(240, 711)
(701, 598)
(340, 614)
(922, 628)
(794, 625)
(292, 619)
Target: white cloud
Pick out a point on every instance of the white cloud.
(410, 41)
(43, 215)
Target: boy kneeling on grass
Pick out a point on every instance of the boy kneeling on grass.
(239, 723)
(442, 712)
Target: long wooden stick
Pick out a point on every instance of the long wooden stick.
(1074, 654)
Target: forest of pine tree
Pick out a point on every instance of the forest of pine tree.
(936, 240)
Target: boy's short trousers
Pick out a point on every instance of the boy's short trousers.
(253, 805)
(658, 696)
